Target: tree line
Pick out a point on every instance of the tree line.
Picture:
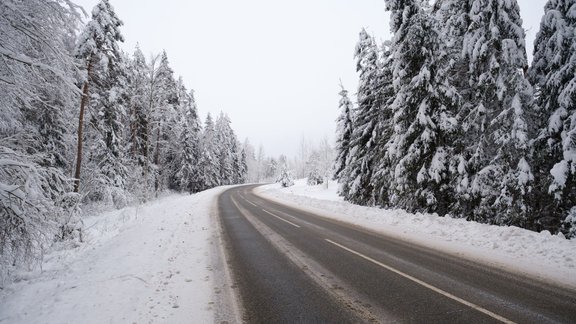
(451, 119)
(82, 122)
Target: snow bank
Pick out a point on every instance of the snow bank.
(541, 255)
(140, 264)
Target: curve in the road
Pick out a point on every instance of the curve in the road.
(394, 280)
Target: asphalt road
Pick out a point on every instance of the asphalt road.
(291, 266)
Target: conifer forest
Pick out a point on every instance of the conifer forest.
(451, 119)
(83, 123)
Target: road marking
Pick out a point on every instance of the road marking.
(282, 219)
(251, 203)
(427, 285)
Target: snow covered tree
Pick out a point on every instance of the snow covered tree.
(252, 168)
(188, 173)
(237, 166)
(452, 20)
(315, 176)
(138, 112)
(243, 172)
(38, 92)
(355, 182)
(285, 178)
(260, 160)
(381, 178)
(271, 169)
(163, 105)
(553, 74)
(138, 117)
(98, 50)
(209, 171)
(423, 109)
(343, 135)
(226, 149)
(494, 177)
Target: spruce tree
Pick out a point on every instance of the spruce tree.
(243, 169)
(98, 50)
(356, 186)
(495, 176)
(424, 111)
(188, 173)
(163, 106)
(209, 171)
(137, 107)
(343, 137)
(226, 149)
(381, 178)
(553, 74)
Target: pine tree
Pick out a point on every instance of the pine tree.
(138, 112)
(188, 173)
(381, 179)
(209, 171)
(553, 74)
(423, 108)
(163, 105)
(236, 162)
(226, 149)
(343, 136)
(494, 175)
(356, 186)
(98, 49)
(452, 18)
(243, 167)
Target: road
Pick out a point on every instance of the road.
(291, 266)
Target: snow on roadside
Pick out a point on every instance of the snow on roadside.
(142, 264)
(541, 255)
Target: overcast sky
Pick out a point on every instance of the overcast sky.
(273, 66)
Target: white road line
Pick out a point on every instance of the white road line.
(251, 203)
(429, 286)
(282, 219)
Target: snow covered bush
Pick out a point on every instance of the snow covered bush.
(285, 179)
(570, 224)
(31, 209)
(314, 178)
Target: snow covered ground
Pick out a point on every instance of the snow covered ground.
(541, 255)
(156, 263)
(151, 263)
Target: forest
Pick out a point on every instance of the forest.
(451, 119)
(84, 125)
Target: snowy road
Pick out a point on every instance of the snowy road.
(291, 265)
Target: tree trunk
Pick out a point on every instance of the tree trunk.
(83, 103)
(157, 161)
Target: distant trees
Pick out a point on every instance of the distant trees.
(76, 114)
(446, 118)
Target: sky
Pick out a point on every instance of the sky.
(274, 67)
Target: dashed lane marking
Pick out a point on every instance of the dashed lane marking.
(282, 219)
